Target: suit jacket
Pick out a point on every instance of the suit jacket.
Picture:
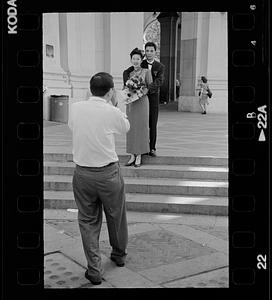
(157, 72)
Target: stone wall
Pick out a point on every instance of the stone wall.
(204, 53)
(84, 44)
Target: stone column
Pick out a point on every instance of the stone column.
(126, 33)
(84, 55)
(204, 53)
(167, 53)
(217, 58)
(190, 57)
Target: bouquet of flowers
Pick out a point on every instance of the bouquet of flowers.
(134, 89)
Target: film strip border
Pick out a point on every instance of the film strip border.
(22, 142)
(249, 147)
(22, 206)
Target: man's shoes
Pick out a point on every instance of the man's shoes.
(153, 153)
(119, 260)
(92, 280)
(204, 113)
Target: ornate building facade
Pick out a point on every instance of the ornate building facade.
(192, 44)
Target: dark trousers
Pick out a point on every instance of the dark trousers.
(177, 91)
(153, 119)
(94, 187)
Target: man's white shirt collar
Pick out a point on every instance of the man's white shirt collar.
(96, 98)
(150, 62)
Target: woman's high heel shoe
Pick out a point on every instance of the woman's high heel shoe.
(131, 161)
(137, 161)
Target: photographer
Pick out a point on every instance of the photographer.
(97, 177)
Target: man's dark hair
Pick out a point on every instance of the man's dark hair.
(101, 83)
(150, 44)
(136, 51)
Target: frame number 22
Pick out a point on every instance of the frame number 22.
(261, 262)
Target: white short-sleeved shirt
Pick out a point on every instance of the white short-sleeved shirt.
(94, 123)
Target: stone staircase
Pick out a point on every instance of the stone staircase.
(196, 185)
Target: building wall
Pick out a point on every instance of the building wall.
(84, 44)
(217, 62)
(188, 52)
(54, 77)
(204, 52)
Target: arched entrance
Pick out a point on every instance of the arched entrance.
(152, 32)
(165, 30)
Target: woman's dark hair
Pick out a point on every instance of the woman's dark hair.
(150, 44)
(101, 83)
(204, 79)
(136, 51)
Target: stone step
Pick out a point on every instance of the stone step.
(159, 160)
(149, 171)
(150, 203)
(151, 185)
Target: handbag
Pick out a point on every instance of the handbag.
(209, 93)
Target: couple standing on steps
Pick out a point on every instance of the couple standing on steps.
(143, 113)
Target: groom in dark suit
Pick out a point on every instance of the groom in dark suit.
(157, 71)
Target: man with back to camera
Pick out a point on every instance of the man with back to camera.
(157, 71)
(97, 177)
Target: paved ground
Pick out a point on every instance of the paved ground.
(179, 134)
(164, 251)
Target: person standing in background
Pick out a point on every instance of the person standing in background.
(177, 88)
(203, 95)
